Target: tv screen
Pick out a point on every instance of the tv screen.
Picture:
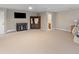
(19, 15)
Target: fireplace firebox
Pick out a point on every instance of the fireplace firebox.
(21, 26)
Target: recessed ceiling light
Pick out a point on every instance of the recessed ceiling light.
(30, 7)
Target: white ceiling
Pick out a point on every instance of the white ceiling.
(41, 7)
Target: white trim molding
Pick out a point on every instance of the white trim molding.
(62, 29)
(12, 30)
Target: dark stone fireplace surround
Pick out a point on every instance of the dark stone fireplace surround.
(21, 26)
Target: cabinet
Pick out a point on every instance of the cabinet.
(35, 22)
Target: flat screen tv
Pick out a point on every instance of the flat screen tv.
(19, 15)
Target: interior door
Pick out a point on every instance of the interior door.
(1, 22)
(35, 22)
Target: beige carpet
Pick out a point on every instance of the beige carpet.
(37, 41)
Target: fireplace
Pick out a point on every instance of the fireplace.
(21, 26)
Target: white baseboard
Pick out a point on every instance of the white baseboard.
(12, 30)
(62, 29)
(57, 29)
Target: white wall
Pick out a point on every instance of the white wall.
(66, 18)
(54, 14)
(44, 20)
(61, 20)
(2, 20)
(11, 21)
